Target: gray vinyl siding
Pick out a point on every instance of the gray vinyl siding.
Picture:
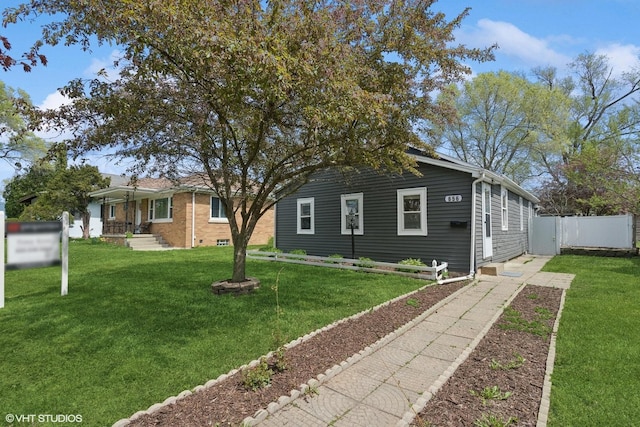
(381, 241)
(506, 244)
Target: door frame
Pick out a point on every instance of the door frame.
(487, 226)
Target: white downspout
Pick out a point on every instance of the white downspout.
(193, 219)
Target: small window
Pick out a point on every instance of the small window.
(504, 203)
(352, 213)
(217, 210)
(305, 216)
(412, 211)
(161, 209)
(112, 211)
(222, 242)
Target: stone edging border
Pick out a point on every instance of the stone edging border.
(422, 401)
(261, 414)
(543, 412)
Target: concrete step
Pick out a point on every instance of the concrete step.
(493, 269)
(147, 242)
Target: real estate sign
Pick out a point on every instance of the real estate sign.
(35, 244)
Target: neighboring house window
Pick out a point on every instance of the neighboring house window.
(504, 203)
(217, 210)
(412, 211)
(161, 209)
(305, 216)
(521, 213)
(112, 211)
(352, 204)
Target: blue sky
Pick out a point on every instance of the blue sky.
(529, 33)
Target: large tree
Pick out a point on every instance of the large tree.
(18, 145)
(255, 96)
(503, 122)
(598, 168)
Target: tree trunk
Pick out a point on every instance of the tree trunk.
(86, 221)
(239, 259)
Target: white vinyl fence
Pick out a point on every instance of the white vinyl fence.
(549, 234)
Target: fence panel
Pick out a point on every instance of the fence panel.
(598, 231)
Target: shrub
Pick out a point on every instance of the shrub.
(411, 261)
(335, 257)
(365, 262)
(257, 377)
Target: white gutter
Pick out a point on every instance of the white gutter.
(193, 219)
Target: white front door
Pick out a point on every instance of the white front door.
(487, 240)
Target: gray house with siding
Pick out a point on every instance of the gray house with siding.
(455, 212)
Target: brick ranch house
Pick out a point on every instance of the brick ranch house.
(184, 215)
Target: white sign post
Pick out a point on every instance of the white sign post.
(2, 259)
(36, 244)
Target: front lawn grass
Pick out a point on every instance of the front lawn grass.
(596, 378)
(138, 327)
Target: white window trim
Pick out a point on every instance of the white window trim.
(299, 203)
(343, 213)
(521, 203)
(422, 192)
(112, 208)
(504, 208)
(170, 210)
(216, 219)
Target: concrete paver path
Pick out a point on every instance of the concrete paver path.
(393, 381)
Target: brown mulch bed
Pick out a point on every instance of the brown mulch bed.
(455, 404)
(228, 402)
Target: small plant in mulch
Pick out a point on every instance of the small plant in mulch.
(412, 302)
(491, 393)
(511, 364)
(513, 320)
(333, 259)
(491, 420)
(258, 376)
(301, 252)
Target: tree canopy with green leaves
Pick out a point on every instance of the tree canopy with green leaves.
(503, 122)
(18, 145)
(255, 96)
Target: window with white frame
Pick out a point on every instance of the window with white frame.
(217, 210)
(305, 216)
(161, 209)
(521, 203)
(504, 204)
(112, 211)
(352, 213)
(412, 211)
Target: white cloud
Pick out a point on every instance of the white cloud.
(53, 101)
(100, 65)
(515, 44)
(622, 58)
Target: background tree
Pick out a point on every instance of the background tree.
(67, 190)
(599, 166)
(503, 122)
(18, 145)
(28, 182)
(252, 97)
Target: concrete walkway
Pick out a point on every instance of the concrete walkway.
(391, 381)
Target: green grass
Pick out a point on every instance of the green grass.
(597, 367)
(138, 327)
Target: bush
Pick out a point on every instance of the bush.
(335, 257)
(411, 261)
(301, 252)
(366, 262)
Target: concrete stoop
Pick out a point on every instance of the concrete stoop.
(493, 269)
(147, 242)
